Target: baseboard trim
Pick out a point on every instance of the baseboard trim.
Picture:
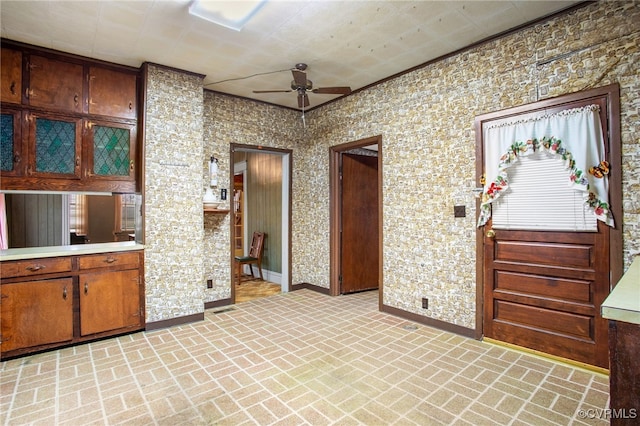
(217, 303)
(431, 322)
(156, 325)
(308, 286)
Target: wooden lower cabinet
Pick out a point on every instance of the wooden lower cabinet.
(36, 313)
(624, 374)
(54, 302)
(109, 301)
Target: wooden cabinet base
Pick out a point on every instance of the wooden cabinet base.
(624, 375)
(56, 302)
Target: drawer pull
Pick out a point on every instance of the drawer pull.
(64, 293)
(110, 259)
(34, 268)
(86, 288)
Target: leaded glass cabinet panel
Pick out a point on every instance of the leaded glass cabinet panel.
(56, 146)
(113, 150)
(11, 144)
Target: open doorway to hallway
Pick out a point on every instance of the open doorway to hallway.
(261, 204)
(356, 232)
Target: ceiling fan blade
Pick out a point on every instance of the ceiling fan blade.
(341, 90)
(303, 100)
(300, 77)
(272, 91)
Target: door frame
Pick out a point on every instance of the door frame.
(287, 169)
(335, 217)
(612, 94)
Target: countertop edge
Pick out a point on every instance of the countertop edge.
(70, 250)
(623, 303)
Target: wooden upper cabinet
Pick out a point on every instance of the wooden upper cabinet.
(55, 84)
(112, 93)
(11, 84)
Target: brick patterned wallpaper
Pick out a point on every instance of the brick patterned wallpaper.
(230, 120)
(426, 121)
(173, 194)
(428, 148)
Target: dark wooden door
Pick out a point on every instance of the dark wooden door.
(359, 237)
(543, 291)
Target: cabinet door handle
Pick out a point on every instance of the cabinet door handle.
(75, 99)
(110, 259)
(16, 159)
(130, 106)
(12, 88)
(77, 161)
(64, 293)
(34, 268)
(86, 288)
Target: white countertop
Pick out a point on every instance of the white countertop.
(76, 249)
(623, 304)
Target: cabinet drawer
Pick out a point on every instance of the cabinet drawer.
(108, 260)
(23, 268)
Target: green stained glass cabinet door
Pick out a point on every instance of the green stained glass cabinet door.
(113, 150)
(55, 146)
(11, 163)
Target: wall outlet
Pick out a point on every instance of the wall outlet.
(209, 283)
(459, 211)
(425, 303)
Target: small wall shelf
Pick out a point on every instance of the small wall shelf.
(217, 211)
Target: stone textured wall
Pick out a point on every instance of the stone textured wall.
(229, 120)
(173, 194)
(428, 148)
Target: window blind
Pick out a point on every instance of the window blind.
(540, 198)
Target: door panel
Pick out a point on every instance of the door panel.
(109, 301)
(546, 296)
(36, 313)
(359, 240)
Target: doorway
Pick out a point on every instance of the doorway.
(356, 249)
(261, 201)
(542, 289)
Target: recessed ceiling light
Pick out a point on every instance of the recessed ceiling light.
(229, 14)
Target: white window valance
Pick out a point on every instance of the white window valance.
(572, 136)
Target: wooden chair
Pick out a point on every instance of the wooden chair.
(253, 258)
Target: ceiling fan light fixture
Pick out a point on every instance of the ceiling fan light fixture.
(229, 14)
(296, 86)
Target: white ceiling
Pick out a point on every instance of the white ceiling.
(344, 43)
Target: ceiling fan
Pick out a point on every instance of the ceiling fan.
(301, 85)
